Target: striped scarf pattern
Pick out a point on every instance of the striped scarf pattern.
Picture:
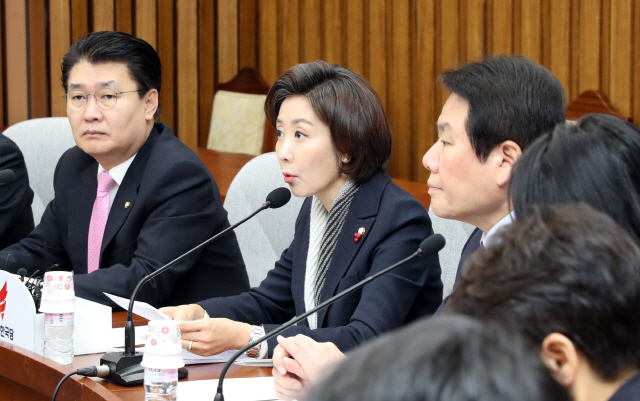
(321, 252)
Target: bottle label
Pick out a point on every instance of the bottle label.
(58, 319)
(160, 375)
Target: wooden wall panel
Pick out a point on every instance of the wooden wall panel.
(59, 42)
(290, 33)
(378, 49)
(16, 62)
(37, 63)
(560, 55)
(124, 17)
(228, 48)
(103, 15)
(399, 110)
(423, 112)
(311, 32)
(247, 33)
(399, 46)
(531, 29)
(187, 71)
(502, 27)
(268, 43)
(79, 18)
(146, 17)
(332, 32)
(206, 62)
(621, 75)
(474, 26)
(355, 36)
(590, 18)
(166, 51)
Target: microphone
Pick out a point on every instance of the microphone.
(430, 245)
(6, 176)
(124, 367)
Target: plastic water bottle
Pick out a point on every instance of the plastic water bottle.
(160, 384)
(58, 337)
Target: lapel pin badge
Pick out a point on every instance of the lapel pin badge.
(127, 204)
(359, 234)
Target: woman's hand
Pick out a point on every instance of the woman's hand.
(184, 312)
(212, 336)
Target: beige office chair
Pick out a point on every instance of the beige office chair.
(238, 122)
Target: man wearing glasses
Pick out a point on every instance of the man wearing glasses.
(130, 197)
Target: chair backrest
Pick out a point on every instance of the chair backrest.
(592, 101)
(42, 142)
(456, 234)
(238, 122)
(263, 238)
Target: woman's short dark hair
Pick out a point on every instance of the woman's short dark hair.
(447, 358)
(561, 269)
(101, 47)
(348, 105)
(595, 161)
(510, 98)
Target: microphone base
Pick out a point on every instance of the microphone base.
(126, 370)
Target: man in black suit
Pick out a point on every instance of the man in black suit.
(498, 106)
(130, 197)
(16, 218)
(568, 278)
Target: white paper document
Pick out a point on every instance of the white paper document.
(142, 309)
(249, 389)
(117, 336)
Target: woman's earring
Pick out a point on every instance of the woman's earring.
(345, 160)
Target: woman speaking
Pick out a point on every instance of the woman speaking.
(333, 145)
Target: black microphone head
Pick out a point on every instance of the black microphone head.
(278, 197)
(6, 176)
(432, 244)
(22, 272)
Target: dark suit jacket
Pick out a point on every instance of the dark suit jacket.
(16, 219)
(174, 204)
(395, 224)
(630, 391)
(472, 244)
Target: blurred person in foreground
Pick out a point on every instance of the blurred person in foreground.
(568, 278)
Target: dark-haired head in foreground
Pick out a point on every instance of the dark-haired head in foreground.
(449, 358)
(595, 161)
(569, 279)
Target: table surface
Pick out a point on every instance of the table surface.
(196, 372)
(36, 375)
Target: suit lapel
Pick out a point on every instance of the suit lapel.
(127, 192)
(362, 213)
(80, 206)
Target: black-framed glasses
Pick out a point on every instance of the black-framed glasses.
(105, 98)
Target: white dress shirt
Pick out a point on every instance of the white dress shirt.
(117, 173)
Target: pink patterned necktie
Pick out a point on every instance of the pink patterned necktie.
(98, 220)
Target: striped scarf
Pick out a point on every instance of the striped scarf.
(325, 228)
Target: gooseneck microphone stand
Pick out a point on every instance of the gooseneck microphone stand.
(124, 367)
(430, 245)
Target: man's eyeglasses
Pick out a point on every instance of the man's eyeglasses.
(105, 98)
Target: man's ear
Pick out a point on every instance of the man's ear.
(150, 104)
(507, 153)
(561, 357)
